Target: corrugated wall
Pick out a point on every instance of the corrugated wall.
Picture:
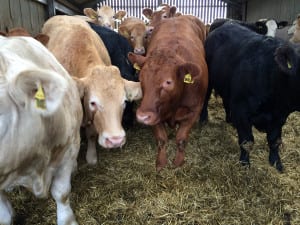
(206, 10)
(277, 9)
(22, 13)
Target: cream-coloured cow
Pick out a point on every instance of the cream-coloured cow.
(104, 91)
(41, 114)
(134, 30)
(104, 16)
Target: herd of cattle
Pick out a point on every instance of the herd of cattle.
(80, 73)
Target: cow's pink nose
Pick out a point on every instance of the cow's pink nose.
(145, 118)
(115, 142)
(139, 51)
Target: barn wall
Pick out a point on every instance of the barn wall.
(29, 14)
(277, 9)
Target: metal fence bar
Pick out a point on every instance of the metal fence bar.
(206, 10)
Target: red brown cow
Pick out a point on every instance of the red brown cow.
(174, 81)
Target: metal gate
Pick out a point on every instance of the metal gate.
(206, 10)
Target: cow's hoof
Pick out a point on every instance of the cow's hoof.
(160, 165)
(278, 165)
(245, 164)
(178, 162)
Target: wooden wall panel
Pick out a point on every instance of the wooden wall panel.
(22, 13)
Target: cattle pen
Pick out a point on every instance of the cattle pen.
(212, 187)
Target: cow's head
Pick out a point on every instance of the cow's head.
(163, 12)
(104, 93)
(104, 16)
(135, 33)
(163, 81)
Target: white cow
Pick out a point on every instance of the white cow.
(104, 16)
(40, 117)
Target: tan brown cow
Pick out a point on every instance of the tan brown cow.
(104, 16)
(174, 81)
(134, 30)
(81, 51)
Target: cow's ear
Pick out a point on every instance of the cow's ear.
(136, 60)
(80, 86)
(89, 12)
(173, 11)
(124, 31)
(43, 38)
(39, 91)
(120, 14)
(148, 13)
(188, 73)
(133, 90)
(286, 58)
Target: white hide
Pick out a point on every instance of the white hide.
(38, 146)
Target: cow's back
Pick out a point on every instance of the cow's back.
(187, 39)
(74, 43)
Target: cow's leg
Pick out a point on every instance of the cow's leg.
(274, 141)
(204, 111)
(60, 190)
(245, 136)
(91, 153)
(181, 140)
(6, 211)
(161, 136)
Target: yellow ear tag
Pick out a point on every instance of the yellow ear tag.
(289, 65)
(136, 66)
(40, 100)
(188, 79)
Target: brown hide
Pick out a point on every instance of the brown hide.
(134, 30)
(174, 81)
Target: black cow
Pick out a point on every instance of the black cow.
(118, 48)
(258, 79)
(262, 26)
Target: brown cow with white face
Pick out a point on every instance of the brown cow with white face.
(134, 30)
(104, 16)
(164, 11)
(174, 81)
(81, 51)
